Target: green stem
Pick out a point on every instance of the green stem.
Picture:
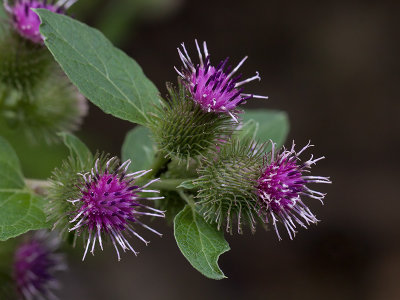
(168, 184)
(41, 186)
(187, 198)
(159, 163)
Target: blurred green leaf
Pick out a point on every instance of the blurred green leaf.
(117, 21)
(10, 170)
(263, 125)
(3, 13)
(77, 147)
(37, 159)
(139, 148)
(20, 211)
(200, 242)
(248, 129)
(104, 74)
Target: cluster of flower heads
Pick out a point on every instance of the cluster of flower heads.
(215, 89)
(35, 264)
(244, 181)
(27, 22)
(110, 204)
(277, 191)
(281, 185)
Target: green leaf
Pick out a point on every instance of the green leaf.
(20, 211)
(77, 147)
(263, 125)
(104, 74)
(188, 185)
(139, 148)
(201, 243)
(248, 129)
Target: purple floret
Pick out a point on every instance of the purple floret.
(215, 89)
(280, 186)
(27, 22)
(110, 204)
(35, 264)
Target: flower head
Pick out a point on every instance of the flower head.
(35, 264)
(109, 204)
(215, 89)
(27, 22)
(226, 189)
(281, 185)
(183, 130)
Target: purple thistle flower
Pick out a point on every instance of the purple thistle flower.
(280, 186)
(110, 204)
(215, 89)
(27, 22)
(35, 264)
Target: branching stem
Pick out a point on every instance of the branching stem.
(168, 184)
(159, 165)
(187, 198)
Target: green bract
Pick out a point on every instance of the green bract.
(23, 64)
(226, 184)
(182, 130)
(64, 180)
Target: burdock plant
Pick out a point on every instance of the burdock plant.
(196, 155)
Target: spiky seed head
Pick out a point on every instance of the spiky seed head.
(226, 184)
(36, 98)
(22, 64)
(183, 130)
(53, 106)
(105, 203)
(280, 187)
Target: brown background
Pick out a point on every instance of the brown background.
(334, 67)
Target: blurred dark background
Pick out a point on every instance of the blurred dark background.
(334, 67)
